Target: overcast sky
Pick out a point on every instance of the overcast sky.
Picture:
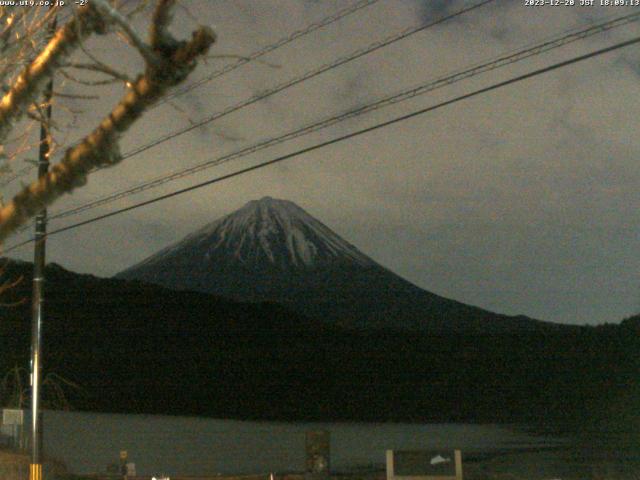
(521, 201)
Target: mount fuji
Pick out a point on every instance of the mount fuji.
(272, 250)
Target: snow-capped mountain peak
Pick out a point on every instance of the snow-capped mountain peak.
(265, 232)
(272, 250)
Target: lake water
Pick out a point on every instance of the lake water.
(89, 442)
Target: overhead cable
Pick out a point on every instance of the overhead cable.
(268, 49)
(306, 76)
(468, 72)
(342, 138)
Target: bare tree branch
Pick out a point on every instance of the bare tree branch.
(33, 78)
(87, 83)
(175, 61)
(159, 32)
(75, 96)
(121, 21)
(100, 67)
(8, 285)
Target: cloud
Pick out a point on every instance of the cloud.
(429, 10)
(521, 200)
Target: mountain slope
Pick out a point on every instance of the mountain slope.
(266, 233)
(272, 250)
(136, 347)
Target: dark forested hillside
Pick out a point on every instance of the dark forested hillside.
(142, 348)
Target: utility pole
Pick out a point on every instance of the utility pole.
(35, 468)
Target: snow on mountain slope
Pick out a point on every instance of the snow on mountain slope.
(266, 231)
(272, 250)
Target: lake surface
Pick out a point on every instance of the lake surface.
(89, 442)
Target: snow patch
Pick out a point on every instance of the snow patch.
(272, 230)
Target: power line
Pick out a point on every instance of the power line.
(307, 76)
(341, 61)
(310, 74)
(327, 143)
(326, 21)
(506, 59)
(268, 49)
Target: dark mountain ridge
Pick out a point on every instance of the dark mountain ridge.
(141, 348)
(272, 250)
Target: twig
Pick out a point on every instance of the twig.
(75, 96)
(159, 31)
(100, 68)
(117, 18)
(33, 78)
(88, 83)
(176, 60)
